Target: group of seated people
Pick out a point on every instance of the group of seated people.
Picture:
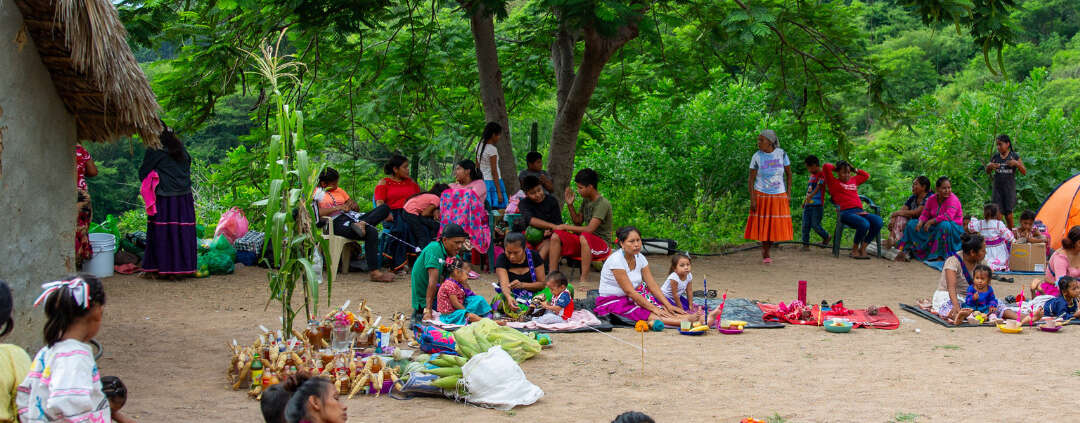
(928, 228)
(964, 291)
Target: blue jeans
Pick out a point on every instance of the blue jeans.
(867, 227)
(811, 219)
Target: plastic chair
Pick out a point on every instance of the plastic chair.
(338, 244)
(838, 233)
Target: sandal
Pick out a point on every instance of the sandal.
(861, 257)
(766, 260)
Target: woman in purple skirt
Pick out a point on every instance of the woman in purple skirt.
(171, 243)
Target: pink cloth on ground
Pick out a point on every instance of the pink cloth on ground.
(580, 319)
(148, 190)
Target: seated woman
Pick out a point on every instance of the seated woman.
(390, 196)
(956, 275)
(468, 176)
(844, 189)
(936, 235)
(627, 287)
(334, 203)
(520, 272)
(913, 207)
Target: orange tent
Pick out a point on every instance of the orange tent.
(1061, 210)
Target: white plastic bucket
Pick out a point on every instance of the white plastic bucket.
(104, 246)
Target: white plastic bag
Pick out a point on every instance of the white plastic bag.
(494, 380)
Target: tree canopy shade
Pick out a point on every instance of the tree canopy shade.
(422, 77)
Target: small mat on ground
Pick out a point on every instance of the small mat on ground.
(937, 265)
(740, 309)
(933, 317)
(885, 318)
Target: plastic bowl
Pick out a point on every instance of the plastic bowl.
(732, 331)
(844, 327)
(688, 333)
(1050, 329)
(1007, 330)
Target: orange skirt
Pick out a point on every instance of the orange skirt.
(771, 219)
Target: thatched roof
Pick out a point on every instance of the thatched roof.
(84, 46)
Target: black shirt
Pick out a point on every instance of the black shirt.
(504, 263)
(1005, 175)
(913, 202)
(174, 177)
(547, 210)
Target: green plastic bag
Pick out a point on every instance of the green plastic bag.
(203, 267)
(110, 226)
(222, 245)
(220, 263)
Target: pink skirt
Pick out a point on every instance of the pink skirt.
(621, 305)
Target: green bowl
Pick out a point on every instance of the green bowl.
(844, 328)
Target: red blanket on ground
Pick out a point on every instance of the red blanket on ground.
(884, 319)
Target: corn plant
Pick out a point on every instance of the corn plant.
(292, 180)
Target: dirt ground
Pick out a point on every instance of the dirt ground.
(167, 340)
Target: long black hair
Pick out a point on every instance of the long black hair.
(297, 408)
(172, 145)
(6, 307)
(62, 310)
(490, 130)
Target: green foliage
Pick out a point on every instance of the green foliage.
(679, 169)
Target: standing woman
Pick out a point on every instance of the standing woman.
(487, 156)
(84, 168)
(913, 207)
(770, 210)
(170, 234)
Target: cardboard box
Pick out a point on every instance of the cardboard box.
(1028, 257)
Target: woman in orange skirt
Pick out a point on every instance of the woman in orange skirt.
(770, 178)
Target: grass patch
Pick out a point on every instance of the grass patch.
(776, 418)
(905, 417)
(947, 347)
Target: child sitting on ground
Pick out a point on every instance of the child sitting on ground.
(1065, 305)
(456, 303)
(679, 284)
(63, 384)
(996, 234)
(116, 392)
(980, 296)
(560, 306)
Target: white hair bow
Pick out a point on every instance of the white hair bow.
(80, 290)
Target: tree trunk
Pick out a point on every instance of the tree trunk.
(491, 91)
(571, 109)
